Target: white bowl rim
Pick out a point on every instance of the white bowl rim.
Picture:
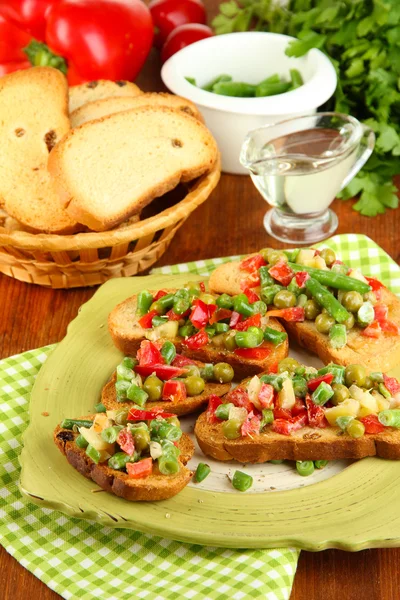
(309, 96)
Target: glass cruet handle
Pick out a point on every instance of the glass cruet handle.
(364, 151)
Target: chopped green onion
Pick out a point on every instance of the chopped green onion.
(322, 394)
(100, 408)
(305, 467)
(390, 418)
(202, 471)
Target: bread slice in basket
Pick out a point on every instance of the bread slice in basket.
(98, 90)
(109, 169)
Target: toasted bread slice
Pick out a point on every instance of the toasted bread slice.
(34, 117)
(127, 335)
(98, 90)
(154, 487)
(185, 407)
(109, 106)
(381, 354)
(129, 159)
(307, 443)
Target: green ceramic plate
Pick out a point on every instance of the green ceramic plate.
(354, 509)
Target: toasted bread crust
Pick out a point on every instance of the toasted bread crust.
(305, 444)
(152, 488)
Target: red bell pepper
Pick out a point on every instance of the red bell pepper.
(281, 272)
(381, 312)
(372, 424)
(146, 320)
(149, 354)
(197, 341)
(316, 414)
(294, 314)
(239, 397)
(314, 383)
(253, 280)
(159, 295)
(372, 331)
(182, 361)
(282, 413)
(213, 402)
(172, 316)
(175, 391)
(301, 278)
(220, 315)
(252, 263)
(12, 42)
(253, 321)
(391, 384)
(286, 427)
(251, 296)
(139, 470)
(298, 408)
(259, 353)
(164, 372)
(199, 315)
(266, 395)
(30, 16)
(390, 328)
(135, 414)
(376, 286)
(251, 426)
(126, 442)
(235, 319)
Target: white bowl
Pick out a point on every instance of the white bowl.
(250, 57)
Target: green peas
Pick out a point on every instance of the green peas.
(142, 439)
(355, 374)
(259, 307)
(329, 256)
(311, 310)
(168, 352)
(231, 429)
(144, 301)
(100, 408)
(137, 395)
(276, 256)
(320, 464)
(288, 364)
(355, 429)
(352, 301)
(202, 472)
(241, 481)
(223, 372)
(81, 442)
(340, 393)
(257, 332)
(230, 341)
(222, 411)
(269, 292)
(305, 467)
(265, 253)
(350, 322)
(324, 323)
(194, 385)
(121, 417)
(192, 370)
(244, 339)
(241, 305)
(153, 386)
(207, 372)
(218, 340)
(370, 297)
(224, 301)
(207, 298)
(274, 336)
(284, 299)
(368, 383)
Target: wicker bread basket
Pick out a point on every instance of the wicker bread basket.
(85, 259)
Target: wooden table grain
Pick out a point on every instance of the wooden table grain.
(230, 222)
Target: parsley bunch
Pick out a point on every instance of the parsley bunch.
(362, 39)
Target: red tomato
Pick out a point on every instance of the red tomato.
(391, 384)
(149, 354)
(316, 414)
(252, 263)
(183, 36)
(167, 15)
(373, 331)
(299, 408)
(376, 286)
(266, 395)
(146, 320)
(198, 340)
(220, 315)
(381, 312)
(253, 321)
(175, 391)
(202, 286)
(213, 402)
(140, 469)
(282, 413)
(172, 316)
(372, 424)
(136, 414)
(259, 353)
(314, 383)
(251, 296)
(126, 442)
(182, 361)
(286, 427)
(294, 314)
(251, 425)
(301, 278)
(281, 272)
(199, 315)
(390, 328)
(159, 295)
(240, 397)
(253, 280)
(164, 372)
(235, 319)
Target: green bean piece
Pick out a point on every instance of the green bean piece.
(305, 467)
(258, 332)
(376, 377)
(118, 460)
(181, 305)
(165, 431)
(276, 462)
(191, 370)
(241, 305)
(365, 314)
(186, 330)
(320, 464)
(244, 339)
(267, 417)
(265, 277)
(208, 87)
(342, 422)
(296, 78)
(272, 89)
(93, 454)
(224, 301)
(299, 386)
(128, 362)
(238, 89)
(121, 387)
(168, 352)
(207, 372)
(210, 330)
(332, 279)
(124, 373)
(168, 465)
(338, 336)
(144, 301)
(221, 327)
(274, 380)
(70, 423)
(327, 300)
(268, 293)
(390, 418)
(322, 394)
(165, 303)
(81, 442)
(384, 391)
(110, 434)
(274, 336)
(191, 80)
(272, 79)
(157, 320)
(222, 411)
(100, 408)
(202, 471)
(169, 449)
(337, 371)
(241, 481)
(137, 395)
(301, 300)
(294, 288)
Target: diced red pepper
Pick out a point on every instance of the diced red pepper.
(149, 354)
(301, 278)
(372, 424)
(253, 321)
(220, 315)
(182, 361)
(391, 384)
(390, 327)
(198, 340)
(376, 286)
(240, 397)
(282, 413)
(316, 414)
(174, 391)
(273, 368)
(299, 407)
(381, 312)
(251, 296)
(139, 470)
(314, 383)
(259, 353)
(338, 262)
(251, 426)
(294, 314)
(172, 316)
(372, 331)
(135, 414)
(253, 280)
(252, 263)
(202, 286)
(213, 402)
(126, 442)
(281, 272)
(199, 315)
(286, 427)
(159, 295)
(164, 372)
(266, 395)
(235, 319)
(146, 320)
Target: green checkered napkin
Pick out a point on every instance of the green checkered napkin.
(82, 559)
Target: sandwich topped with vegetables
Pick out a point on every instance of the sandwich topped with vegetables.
(301, 413)
(206, 327)
(326, 306)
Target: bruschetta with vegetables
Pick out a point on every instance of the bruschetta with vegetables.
(137, 454)
(304, 414)
(327, 307)
(159, 378)
(202, 326)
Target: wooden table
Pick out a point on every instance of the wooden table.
(230, 222)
